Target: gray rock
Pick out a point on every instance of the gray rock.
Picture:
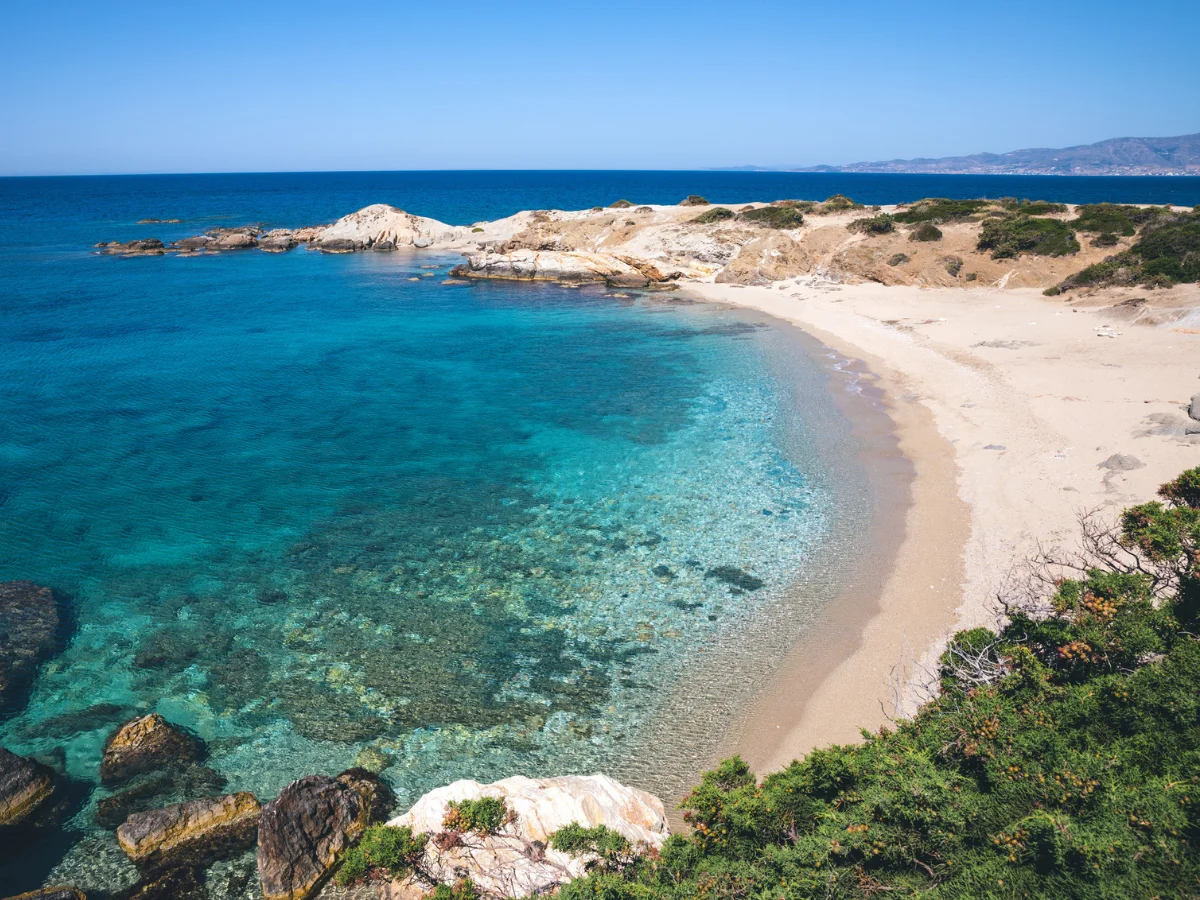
(192, 244)
(1194, 407)
(338, 245)
(1119, 462)
(383, 246)
(147, 744)
(421, 243)
(30, 631)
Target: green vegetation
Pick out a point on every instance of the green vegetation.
(926, 231)
(393, 851)
(476, 231)
(880, 224)
(805, 206)
(940, 210)
(606, 850)
(463, 889)
(693, 200)
(1013, 235)
(716, 214)
(1060, 757)
(483, 816)
(1166, 253)
(953, 265)
(620, 204)
(774, 217)
(898, 259)
(1031, 207)
(836, 203)
(1113, 218)
(1104, 239)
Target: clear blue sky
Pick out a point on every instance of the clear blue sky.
(256, 86)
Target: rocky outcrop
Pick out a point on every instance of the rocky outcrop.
(147, 744)
(195, 833)
(555, 265)
(139, 247)
(58, 892)
(375, 793)
(766, 259)
(233, 240)
(192, 244)
(30, 630)
(25, 788)
(303, 831)
(280, 240)
(517, 862)
(382, 223)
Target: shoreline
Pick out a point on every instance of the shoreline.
(1000, 459)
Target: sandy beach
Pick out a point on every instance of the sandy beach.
(1010, 407)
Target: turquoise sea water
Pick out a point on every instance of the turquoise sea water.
(310, 507)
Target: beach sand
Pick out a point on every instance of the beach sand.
(1007, 404)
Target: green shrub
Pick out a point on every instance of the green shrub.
(1031, 207)
(1113, 218)
(836, 203)
(1011, 236)
(802, 205)
(394, 851)
(880, 224)
(939, 210)
(1061, 760)
(716, 214)
(898, 259)
(483, 816)
(693, 200)
(952, 264)
(774, 217)
(1166, 253)
(926, 231)
(476, 230)
(606, 850)
(971, 276)
(1105, 239)
(620, 204)
(463, 889)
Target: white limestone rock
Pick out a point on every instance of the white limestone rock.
(518, 862)
(381, 222)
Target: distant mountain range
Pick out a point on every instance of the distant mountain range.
(1116, 156)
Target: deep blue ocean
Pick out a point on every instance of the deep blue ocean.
(330, 509)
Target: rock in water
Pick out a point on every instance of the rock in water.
(174, 884)
(30, 627)
(59, 892)
(146, 744)
(303, 831)
(516, 862)
(376, 795)
(195, 833)
(25, 786)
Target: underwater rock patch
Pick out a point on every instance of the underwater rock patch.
(30, 631)
(737, 579)
(25, 786)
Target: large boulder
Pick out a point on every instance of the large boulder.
(302, 833)
(30, 630)
(147, 744)
(556, 265)
(195, 833)
(278, 241)
(517, 862)
(25, 786)
(233, 240)
(375, 793)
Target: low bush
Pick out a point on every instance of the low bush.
(926, 231)
(1105, 239)
(971, 276)
(802, 205)
(835, 204)
(1031, 207)
(476, 231)
(1113, 218)
(392, 851)
(603, 848)
(1166, 253)
(940, 210)
(483, 816)
(463, 889)
(952, 264)
(898, 259)
(1059, 759)
(716, 214)
(1011, 236)
(693, 200)
(620, 204)
(774, 217)
(880, 224)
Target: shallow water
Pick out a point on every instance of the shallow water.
(309, 507)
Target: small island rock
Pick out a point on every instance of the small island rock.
(303, 831)
(146, 744)
(195, 833)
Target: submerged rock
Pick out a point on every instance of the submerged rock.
(303, 831)
(195, 833)
(25, 788)
(174, 884)
(147, 744)
(151, 790)
(737, 579)
(57, 892)
(516, 862)
(30, 631)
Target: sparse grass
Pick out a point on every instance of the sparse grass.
(1011, 236)
(1031, 207)
(774, 217)
(716, 214)
(803, 205)
(693, 200)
